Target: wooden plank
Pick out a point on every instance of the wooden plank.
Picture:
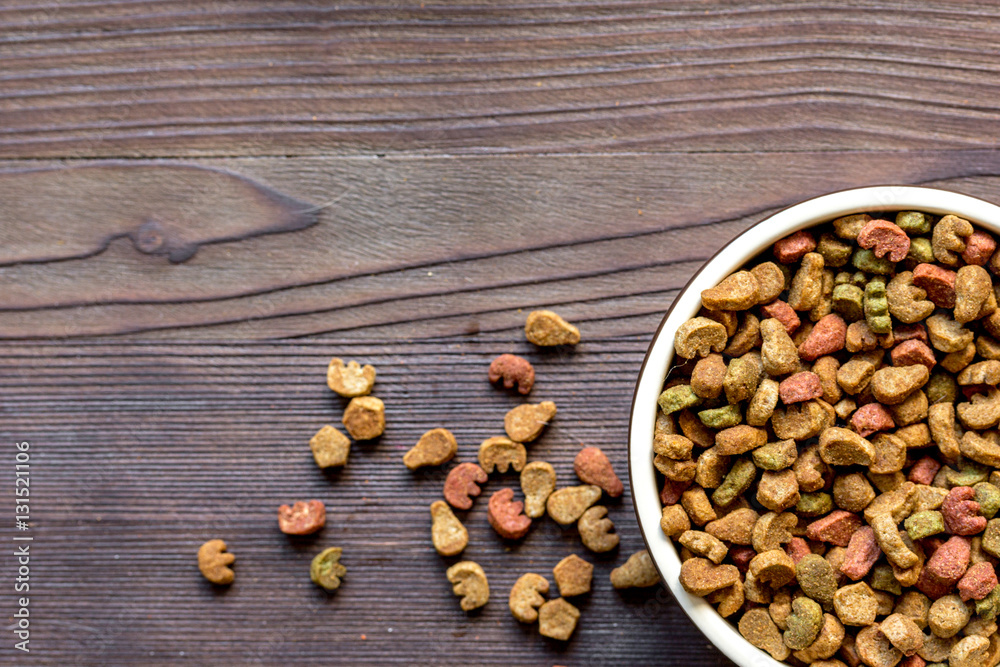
(142, 451)
(410, 247)
(171, 78)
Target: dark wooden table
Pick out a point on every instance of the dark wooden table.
(202, 202)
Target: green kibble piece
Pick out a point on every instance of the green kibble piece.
(835, 252)
(991, 537)
(988, 497)
(924, 524)
(921, 251)
(969, 474)
(804, 623)
(842, 278)
(865, 260)
(817, 579)
(739, 479)
(859, 279)
(941, 388)
(883, 579)
(988, 607)
(848, 301)
(719, 418)
(913, 222)
(677, 398)
(775, 455)
(814, 504)
(877, 307)
(326, 570)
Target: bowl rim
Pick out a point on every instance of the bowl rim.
(659, 355)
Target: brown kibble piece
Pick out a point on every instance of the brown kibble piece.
(757, 628)
(568, 504)
(596, 530)
(544, 328)
(807, 284)
(739, 440)
(462, 484)
(770, 281)
(538, 481)
(908, 303)
(557, 619)
(830, 638)
(526, 422)
(970, 652)
(637, 572)
(364, 418)
(892, 384)
(855, 604)
(736, 527)
(593, 467)
(501, 453)
(699, 337)
(447, 533)
(949, 237)
(701, 577)
(974, 297)
(214, 562)
(778, 353)
(738, 291)
(469, 582)
(696, 503)
(515, 371)
(770, 531)
(505, 515)
(526, 597)
(349, 380)
(841, 447)
(704, 545)
(302, 518)
(875, 649)
(674, 521)
(573, 576)
(330, 447)
(435, 447)
(774, 567)
(708, 376)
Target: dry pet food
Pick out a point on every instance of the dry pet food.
(596, 530)
(514, 372)
(364, 418)
(526, 596)
(573, 576)
(351, 379)
(500, 454)
(214, 562)
(330, 447)
(544, 328)
(326, 570)
(462, 485)
(637, 572)
(829, 447)
(568, 504)
(447, 533)
(538, 481)
(593, 467)
(302, 518)
(557, 619)
(526, 422)
(469, 582)
(435, 447)
(506, 517)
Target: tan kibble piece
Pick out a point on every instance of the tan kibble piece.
(711, 468)
(852, 492)
(855, 604)
(889, 540)
(936, 649)
(807, 284)
(502, 453)
(699, 337)
(692, 428)
(708, 375)
(568, 504)
(538, 481)
(557, 619)
(948, 238)
(855, 374)
(983, 372)
(981, 412)
(469, 582)
(941, 420)
(544, 328)
(330, 447)
(974, 297)
(830, 638)
(673, 446)
(214, 562)
(364, 418)
(977, 625)
(898, 503)
(763, 403)
(778, 352)
(911, 410)
(696, 503)
(771, 531)
(755, 591)
(875, 649)
(573, 576)
(826, 369)
(778, 491)
(746, 338)
(526, 597)
(770, 281)
(946, 335)
(956, 361)
(700, 576)
(907, 302)
(802, 421)
(947, 616)
(842, 447)
(596, 530)
(448, 534)
(736, 527)
(350, 380)
(914, 605)
(729, 600)
(738, 291)
(892, 384)
(675, 521)
(435, 447)
(903, 633)
(970, 652)
(757, 628)
(704, 545)
(739, 439)
(637, 572)
(781, 608)
(810, 470)
(890, 453)
(526, 422)
(775, 568)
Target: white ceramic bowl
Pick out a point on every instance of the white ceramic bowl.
(642, 474)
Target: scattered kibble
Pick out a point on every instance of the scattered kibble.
(214, 562)
(326, 570)
(469, 582)
(302, 518)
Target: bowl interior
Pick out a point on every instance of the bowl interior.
(642, 474)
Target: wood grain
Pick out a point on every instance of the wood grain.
(195, 78)
(142, 451)
(414, 247)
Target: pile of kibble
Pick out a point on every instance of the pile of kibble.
(829, 447)
(364, 419)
